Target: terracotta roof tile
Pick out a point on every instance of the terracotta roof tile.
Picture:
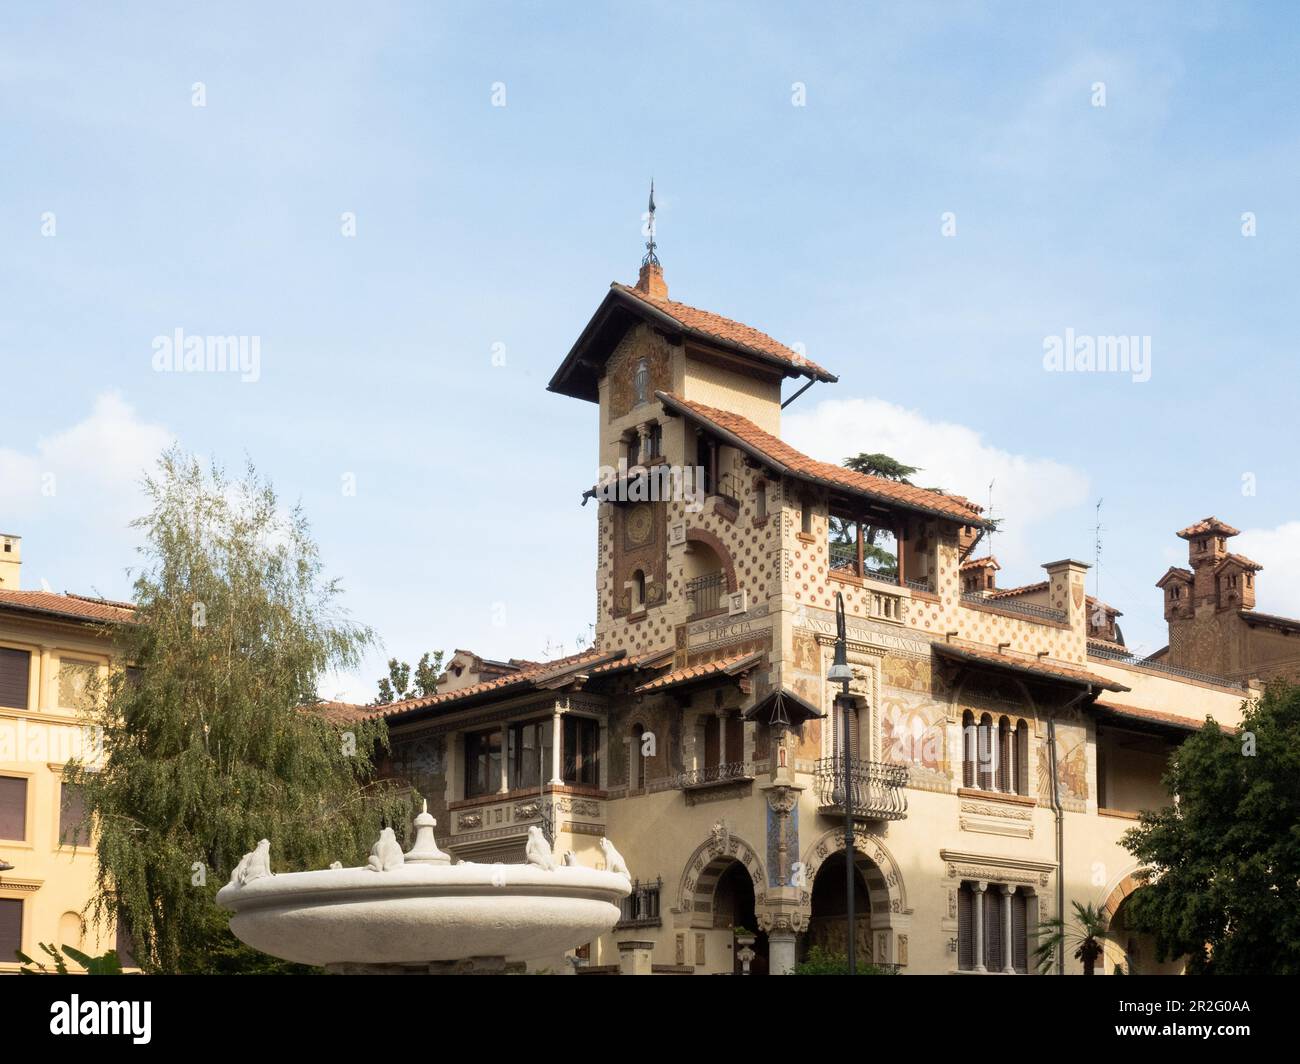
(716, 327)
(692, 673)
(1012, 592)
(1206, 525)
(1157, 716)
(1172, 572)
(1241, 560)
(777, 452)
(76, 607)
(532, 674)
(1273, 619)
(1037, 666)
(981, 563)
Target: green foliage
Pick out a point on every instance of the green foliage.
(106, 964)
(397, 685)
(881, 465)
(877, 559)
(1083, 934)
(821, 961)
(206, 746)
(1222, 879)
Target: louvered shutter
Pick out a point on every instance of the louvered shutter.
(992, 930)
(15, 666)
(965, 928)
(11, 928)
(13, 808)
(1020, 932)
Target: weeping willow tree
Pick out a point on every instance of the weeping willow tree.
(206, 745)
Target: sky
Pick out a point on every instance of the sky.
(413, 210)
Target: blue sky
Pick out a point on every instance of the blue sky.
(480, 225)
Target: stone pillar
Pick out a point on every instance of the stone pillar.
(634, 957)
(44, 698)
(505, 759)
(603, 754)
(980, 887)
(1008, 955)
(780, 952)
(557, 738)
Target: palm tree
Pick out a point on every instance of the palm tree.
(1084, 933)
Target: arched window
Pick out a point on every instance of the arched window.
(987, 754)
(1006, 761)
(638, 588)
(641, 381)
(968, 754)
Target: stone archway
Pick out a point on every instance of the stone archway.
(1115, 898)
(886, 916)
(706, 866)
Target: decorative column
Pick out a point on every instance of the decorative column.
(44, 699)
(780, 951)
(722, 738)
(602, 752)
(1008, 954)
(557, 738)
(505, 759)
(980, 886)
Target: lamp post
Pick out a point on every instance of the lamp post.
(841, 673)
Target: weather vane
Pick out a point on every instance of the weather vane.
(650, 257)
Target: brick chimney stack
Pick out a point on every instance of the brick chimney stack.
(651, 281)
(11, 561)
(1207, 546)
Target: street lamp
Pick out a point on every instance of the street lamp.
(841, 673)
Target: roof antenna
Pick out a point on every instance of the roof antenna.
(1096, 553)
(650, 258)
(990, 512)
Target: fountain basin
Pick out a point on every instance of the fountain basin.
(416, 913)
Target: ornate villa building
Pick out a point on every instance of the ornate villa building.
(1003, 739)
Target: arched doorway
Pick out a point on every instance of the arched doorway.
(1133, 950)
(828, 923)
(733, 907)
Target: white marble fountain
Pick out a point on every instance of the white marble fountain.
(417, 911)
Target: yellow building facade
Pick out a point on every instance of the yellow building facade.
(1001, 741)
(50, 647)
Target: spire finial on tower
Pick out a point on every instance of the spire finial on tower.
(650, 258)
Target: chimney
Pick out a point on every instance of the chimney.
(1207, 546)
(651, 281)
(11, 561)
(1065, 591)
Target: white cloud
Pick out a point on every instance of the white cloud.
(1026, 491)
(95, 465)
(1278, 551)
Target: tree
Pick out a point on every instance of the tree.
(845, 531)
(1221, 883)
(397, 686)
(206, 744)
(1084, 934)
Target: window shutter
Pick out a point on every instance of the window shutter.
(1020, 932)
(1004, 757)
(11, 928)
(74, 824)
(15, 666)
(735, 739)
(13, 808)
(992, 929)
(968, 751)
(965, 928)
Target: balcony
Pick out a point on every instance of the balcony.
(716, 775)
(877, 789)
(641, 907)
(704, 593)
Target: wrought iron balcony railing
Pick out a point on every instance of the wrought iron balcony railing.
(710, 774)
(641, 907)
(1029, 609)
(877, 789)
(705, 593)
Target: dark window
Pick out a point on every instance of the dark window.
(760, 500)
(655, 441)
(966, 928)
(633, 450)
(581, 759)
(1019, 932)
(482, 763)
(638, 760)
(13, 808)
(11, 928)
(638, 588)
(641, 381)
(15, 667)
(712, 743)
(530, 754)
(74, 824)
(806, 517)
